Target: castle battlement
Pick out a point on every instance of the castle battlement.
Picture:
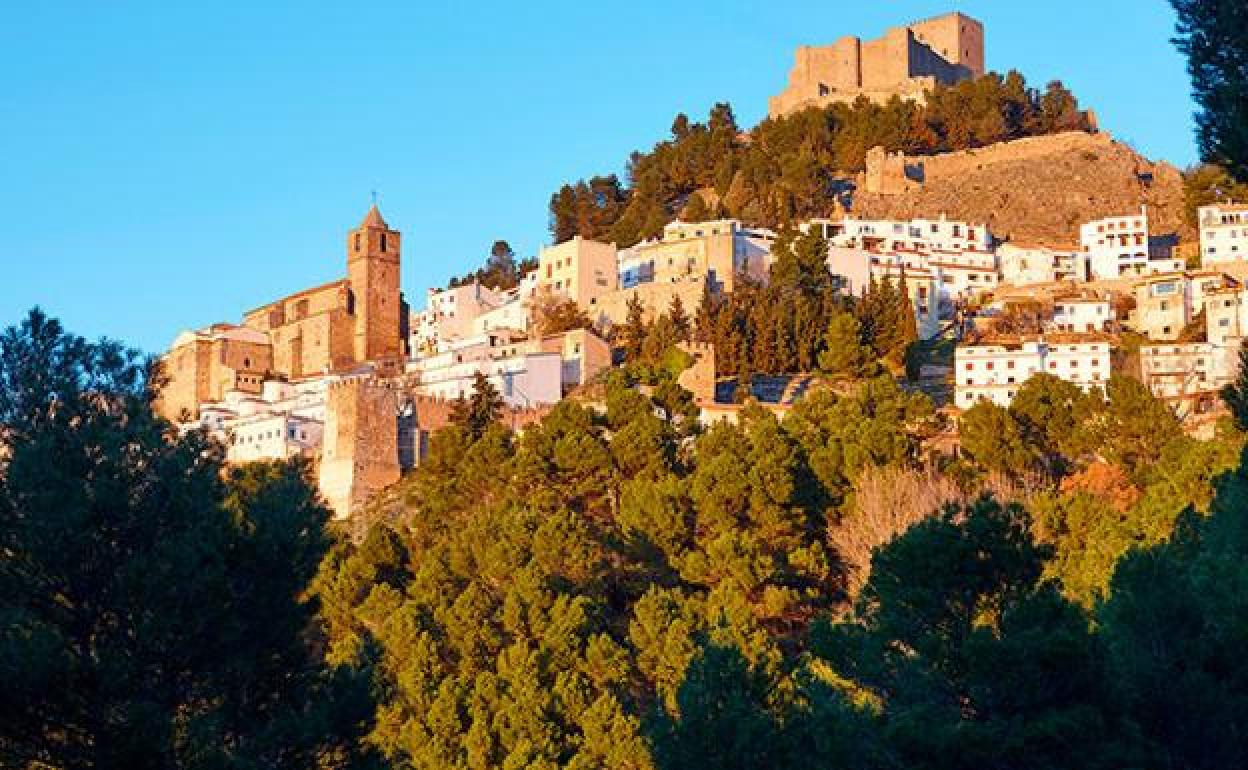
(905, 61)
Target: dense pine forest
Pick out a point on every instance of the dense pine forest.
(620, 587)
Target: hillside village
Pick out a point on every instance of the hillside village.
(907, 428)
(351, 376)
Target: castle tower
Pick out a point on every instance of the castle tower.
(956, 38)
(360, 449)
(373, 271)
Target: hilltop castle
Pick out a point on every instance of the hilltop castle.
(906, 61)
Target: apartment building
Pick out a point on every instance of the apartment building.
(1022, 265)
(452, 313)
(714, 252)
(523, 378)
(578, 269)
(1081, 314)
(1119, 246)
(994, 371)
(959, 255)
(1223, 233)
(1183, 370)
(920, 234)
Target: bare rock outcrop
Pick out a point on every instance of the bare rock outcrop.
(1035, 190)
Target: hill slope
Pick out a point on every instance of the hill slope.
(1038, 190)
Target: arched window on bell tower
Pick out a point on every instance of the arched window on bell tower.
(383, 240)
(357, 243)
(351, 299)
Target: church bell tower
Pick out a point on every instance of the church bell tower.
(373, 272)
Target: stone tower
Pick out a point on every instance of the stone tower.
(360, 453)
(373, 272)
(956, 38)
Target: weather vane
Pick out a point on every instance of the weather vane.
(374, 194)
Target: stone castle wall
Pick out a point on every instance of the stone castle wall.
(309, 302)
(699, 378)
(954, 164)
(204, 369)
(895, 173)
(315, 345)
(656, 297)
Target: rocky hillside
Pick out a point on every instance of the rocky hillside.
(1037, 190)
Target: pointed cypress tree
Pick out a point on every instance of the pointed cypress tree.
(633, 334)
(680, 320)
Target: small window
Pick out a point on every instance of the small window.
(383, 241)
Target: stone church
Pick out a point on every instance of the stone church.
(357, 323)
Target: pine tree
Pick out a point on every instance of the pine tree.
(844, 354)
(1212, 35)
(154, 603)
(478, 411)
(695, 210)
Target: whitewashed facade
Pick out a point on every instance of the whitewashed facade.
(1223, 233)
(995, 371)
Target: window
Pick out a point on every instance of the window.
(357, 241)
(383, 241)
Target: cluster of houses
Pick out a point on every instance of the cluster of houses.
(1118, 299)
(1021, 308)
(1120, 302)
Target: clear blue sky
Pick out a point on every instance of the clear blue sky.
(164, 166)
